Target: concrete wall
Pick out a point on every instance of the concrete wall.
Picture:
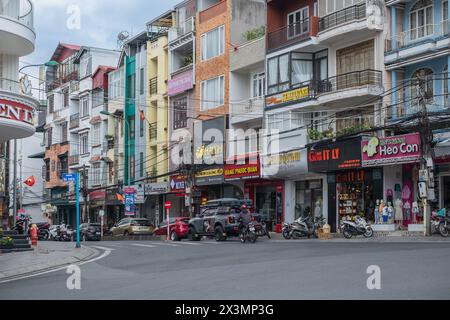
(246, 15)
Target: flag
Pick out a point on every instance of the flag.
(142, 115)
(120, 197)
(30, 181)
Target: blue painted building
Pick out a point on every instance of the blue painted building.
(417, 46)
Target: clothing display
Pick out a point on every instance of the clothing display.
(407, 207)
(398, 210)
(415, 212)
(406, 193)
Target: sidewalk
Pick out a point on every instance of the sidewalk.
(48, 255)
(378, 237)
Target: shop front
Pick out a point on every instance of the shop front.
(209, 184)
(178, 197)
(114, 208)
(400, 206)
(96, 203)
(153, 207)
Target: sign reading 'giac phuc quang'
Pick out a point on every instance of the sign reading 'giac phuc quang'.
(391, 150)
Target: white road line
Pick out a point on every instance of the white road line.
(164, 244)
(107, 252)
(189, 243)
(211, 242)
(142, 245)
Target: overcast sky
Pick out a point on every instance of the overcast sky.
(100, 22)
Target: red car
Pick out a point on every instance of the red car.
(178, 228)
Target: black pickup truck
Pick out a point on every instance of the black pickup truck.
(220, 219)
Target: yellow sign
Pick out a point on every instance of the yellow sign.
(210, 151)
(284, 158)
(209, 173)
(293, 95)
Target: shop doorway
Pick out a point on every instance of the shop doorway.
(445, 189)
(309, 198)
(268, 203)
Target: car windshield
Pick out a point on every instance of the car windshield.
(142, 222)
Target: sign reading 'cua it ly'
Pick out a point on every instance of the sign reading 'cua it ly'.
(389, 150)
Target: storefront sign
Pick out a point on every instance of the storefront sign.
(156, 188)
(289, 96)
(16, 111)
(97, 195)
(181, 83)
(209, 177)
(177, 184)
(351, 176)
(130, 207)
(249, 170)
(398, 149)
(335, 156)
(285, 164)
(209, 138)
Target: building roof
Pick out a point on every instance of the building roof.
(61, 47)
(105, 69)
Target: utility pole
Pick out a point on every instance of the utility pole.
(15, 184)
(426, 164)
(85, 194)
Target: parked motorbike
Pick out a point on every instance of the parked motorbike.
(303, 227)
(22, 224)
(248, 232)
(261, 227)
(43, 230)
(356, 227)
(440, 221)
(61, 233)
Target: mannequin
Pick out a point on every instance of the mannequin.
(318, 208)
(381, 211)
(390, 212)
(407, 215)
(398, 212)
(385, 214)
(415, 212)
(376, 213)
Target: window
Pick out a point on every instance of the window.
(179, 113)
(142, 81)
(131, 122)
(96, 134)
(116, 84)
(258, 85)
(97, 98)
(141, 127)
(298, 22)
(132, 167)
(330, 6)
(63, 132)
(51, 104)
(47, 170)
(445, 17)
(212, 43)
(426, 75)
(141, 164)
(302, 68)
(49, 137)
(355, 58)
(278, 78)
(63, 167)
(96, 174)
(84, 112)
(131, 86)
(84, 143)
(212, 93)
(446, 97)
(66, 98)
(421, 19)
(285, 120)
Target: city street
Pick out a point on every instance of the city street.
(268, 269)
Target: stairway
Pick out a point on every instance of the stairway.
(21, 242)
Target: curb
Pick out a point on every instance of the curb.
(74, 259)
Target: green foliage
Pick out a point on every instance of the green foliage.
(187, 61)
(255, 33)
(6, 242)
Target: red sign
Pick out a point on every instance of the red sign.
(350, 176)
(249, 170)
(397, 149)
(168, 205)
(97, 195)
(16, 111)
(335, 156)
(177, 184)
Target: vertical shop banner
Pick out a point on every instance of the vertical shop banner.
(130, 204)
(209, 141)
(335, 156)
(390, 150)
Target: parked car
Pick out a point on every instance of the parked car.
(90, 231)
(220, 219)
(132, 226)
(178, 228)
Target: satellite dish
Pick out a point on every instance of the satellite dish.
(122, 37)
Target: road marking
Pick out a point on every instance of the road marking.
(189, 243)
(142, 245)
(107, 252)
(104, 248)
(164, 244)
(212, 242)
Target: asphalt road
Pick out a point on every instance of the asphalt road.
(276, 269)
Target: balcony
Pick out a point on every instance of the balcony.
(74, 121)
(292, 34)
(247, 110)
(153, 130)
(350, 88)
(153, 86)
(248, 55)
(74, 160)
(418, 41)
(17, 36)
(351, 24)
(213, 11)
(182, 34)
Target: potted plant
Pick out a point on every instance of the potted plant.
(6, 243)
(109, 137)
(314, 134)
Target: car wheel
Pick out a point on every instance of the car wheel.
(174, 236)
(218, 233)
(191, 235)
(126, 233)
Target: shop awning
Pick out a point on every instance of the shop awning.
(39, 155)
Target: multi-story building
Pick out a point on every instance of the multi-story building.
(324, 70)
(75, 129)
(17, 39)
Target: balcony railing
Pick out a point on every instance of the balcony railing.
(416, 35)
(74, 121)
(183, 28)
(349, 80)
(74, 160)
(356, 12)
(24, 13)
(253, 105)
(154, 86)
(213, 11)
(153, 129)
(56, 115)
(9, 85)
(293, 33)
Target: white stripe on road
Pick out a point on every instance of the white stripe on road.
(142, 245)
(189, 243)
(107, 252)
(163, 244)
